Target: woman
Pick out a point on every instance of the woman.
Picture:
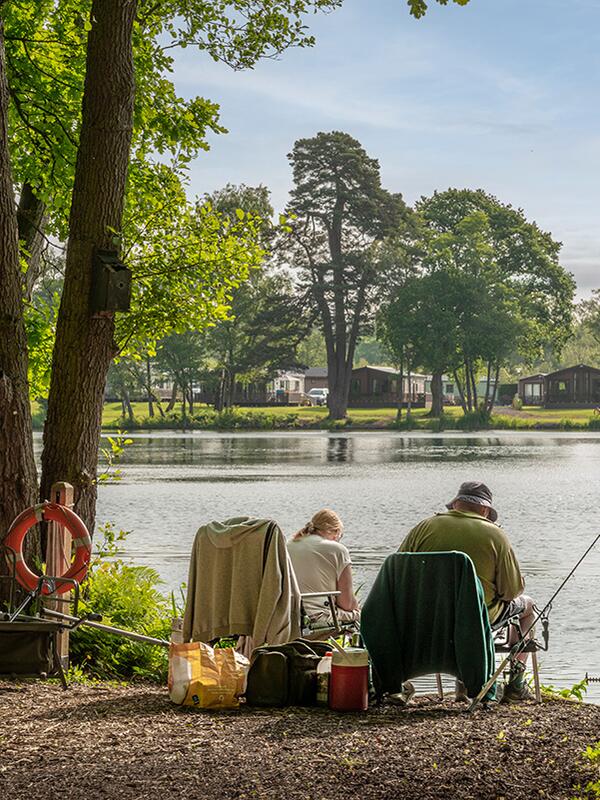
(322, 564)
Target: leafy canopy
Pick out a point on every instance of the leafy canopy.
(418, 8)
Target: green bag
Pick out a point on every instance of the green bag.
(285, 674)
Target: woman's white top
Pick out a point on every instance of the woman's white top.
(318, 564)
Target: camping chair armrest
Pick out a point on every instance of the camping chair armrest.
(330, 600)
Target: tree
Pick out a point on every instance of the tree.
(339, 213)
(312, 351)
(261, 337)
(184, 358)
(521, 296)
(17, 465)
(589, 315)
(102, 143)
(420, 326)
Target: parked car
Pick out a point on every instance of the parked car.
(318, 397)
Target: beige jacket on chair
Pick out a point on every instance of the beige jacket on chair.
(235, 586)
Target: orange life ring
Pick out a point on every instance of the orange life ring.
(50, 512)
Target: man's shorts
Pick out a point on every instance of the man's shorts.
(514, 608)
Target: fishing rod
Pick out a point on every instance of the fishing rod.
(522, 640)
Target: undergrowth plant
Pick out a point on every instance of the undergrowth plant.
(127, 597)
(591, 791)
(575, 692)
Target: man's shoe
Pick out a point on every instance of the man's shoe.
(516, 691)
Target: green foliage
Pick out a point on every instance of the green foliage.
(268, 321)
(312, 351)
(418, 8)
(116, 446)
(46, 54)
(474, 420)
(127, 597)
(407, 423)
(513, 255)
(591, 791)
(186, 264)
(335, 424)
(490, 287)
(575, 692)
(440, 423)
(340, 216)
(230, 419)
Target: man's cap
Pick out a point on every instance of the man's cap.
(477, 493)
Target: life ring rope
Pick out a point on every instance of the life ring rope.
(80, 540)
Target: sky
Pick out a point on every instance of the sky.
(501, 95)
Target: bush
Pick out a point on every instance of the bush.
(407, 423)
(437, 424)
(503, 423)
(334, 424)
(127, 597)
(517, 403)
(474, 420)
(206, 419)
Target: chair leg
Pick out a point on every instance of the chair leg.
(536, 677)
(440, 688)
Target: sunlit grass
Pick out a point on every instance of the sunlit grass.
(527, 417)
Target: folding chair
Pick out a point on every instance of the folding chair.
(426, 614)
(269, 540)
(315, 632)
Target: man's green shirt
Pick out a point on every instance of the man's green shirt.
(487, 545)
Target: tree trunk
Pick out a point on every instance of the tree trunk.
(220, 394)
(495, 388)
(173, 400)
(409, 387)
(400, 393)
(468, 387)
(127, 407)
(31, 218)
(149, 388)
(85, 345)
(184, 390)
(486, 400)
(437, 399)
(461, 391)
(18, 479)
(474, 387)
(231, 389)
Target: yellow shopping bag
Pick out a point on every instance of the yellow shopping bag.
(205, 677)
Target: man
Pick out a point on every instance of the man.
(468, 526)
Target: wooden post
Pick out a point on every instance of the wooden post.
(58, 561)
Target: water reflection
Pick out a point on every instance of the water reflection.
(339, 449)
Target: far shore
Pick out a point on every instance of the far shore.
(294, 418)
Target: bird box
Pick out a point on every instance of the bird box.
(111, 283)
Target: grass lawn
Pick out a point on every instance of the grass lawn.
(526, 418)
(556, 414)
(360, 416)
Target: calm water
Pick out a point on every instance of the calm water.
(546, 490)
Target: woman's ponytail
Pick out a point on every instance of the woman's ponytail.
(324, 522)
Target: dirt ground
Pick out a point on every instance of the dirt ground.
(131, 742)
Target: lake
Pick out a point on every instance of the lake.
(546, 490)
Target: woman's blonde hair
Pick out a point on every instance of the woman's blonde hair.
(324, 522)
